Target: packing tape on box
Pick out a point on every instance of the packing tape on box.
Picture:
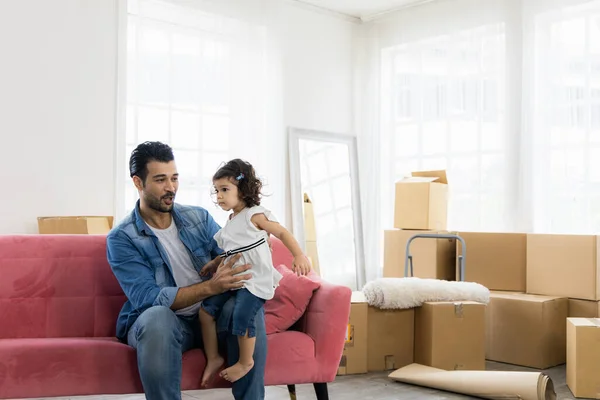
(458, 310)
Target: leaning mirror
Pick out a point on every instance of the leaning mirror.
(324, 172)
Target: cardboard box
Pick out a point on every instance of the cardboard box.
(422, 201)
(354, 357)
(495, 260)
(450, 335)
(390, 338)
(312, 253)
(584, 308)
(92, 225)
(432, 258)
(310, 232)
(526, 330)
(583, 357)
(563, 265)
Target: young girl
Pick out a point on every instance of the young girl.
(246, 232)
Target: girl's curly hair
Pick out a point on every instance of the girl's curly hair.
(244, 176)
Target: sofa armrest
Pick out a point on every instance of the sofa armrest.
(326, 322)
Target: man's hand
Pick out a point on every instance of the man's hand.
(224, 279)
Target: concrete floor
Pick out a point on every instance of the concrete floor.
(373, 386)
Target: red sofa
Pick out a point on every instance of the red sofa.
(58, 306)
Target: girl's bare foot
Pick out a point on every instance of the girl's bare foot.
(212, 366)
(236, 371)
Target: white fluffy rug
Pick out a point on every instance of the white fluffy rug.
(410, 292)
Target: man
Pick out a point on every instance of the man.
(156, 254)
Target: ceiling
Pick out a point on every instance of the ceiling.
(363, 9)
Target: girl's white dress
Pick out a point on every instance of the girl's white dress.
(240, 234)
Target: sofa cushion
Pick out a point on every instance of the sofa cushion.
(57, 286)
(77, 366)
(290, 300)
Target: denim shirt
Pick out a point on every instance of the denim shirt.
(142, 266)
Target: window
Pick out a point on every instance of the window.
(447, 111)
(567, 121)
(192, 79)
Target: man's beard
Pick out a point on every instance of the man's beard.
(156, 204)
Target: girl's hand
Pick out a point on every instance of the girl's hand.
(210, 267)
(301, 265)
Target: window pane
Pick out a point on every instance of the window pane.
(433, 163)
(493, 172)
(493, 213)
(405, 167)
(187, 196)
(567, 168)
(434, 137)
(188, 164)
(567, 213)
(407, 140)
(153, 68)
(215, 73)
(464, 136)
(153, 124)
(185, 129)
(492, 137)
(215, 132)
(211, 162)
(465, 174)
(463, 211)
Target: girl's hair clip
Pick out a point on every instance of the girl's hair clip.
(240, 176)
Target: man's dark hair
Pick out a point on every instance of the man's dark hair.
(243, 175)
(145, 153)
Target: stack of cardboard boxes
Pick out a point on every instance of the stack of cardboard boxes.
(535, 325)
(447, 335)
(544, 304)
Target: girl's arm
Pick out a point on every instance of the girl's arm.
(301, 264)
(275, 229)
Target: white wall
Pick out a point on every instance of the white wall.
(57, 109)
(58, 100)
(318, 70)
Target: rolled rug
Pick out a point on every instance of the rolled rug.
(497, 385)
(410, 292)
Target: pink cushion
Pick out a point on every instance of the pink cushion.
(57, 286)
(281, 254)
(290, 301)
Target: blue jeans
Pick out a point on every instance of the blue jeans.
(161, 337)
(245, 309)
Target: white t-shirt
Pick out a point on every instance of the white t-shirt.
(183, 269)
(240, 232)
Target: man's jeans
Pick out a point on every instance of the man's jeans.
(160, 338)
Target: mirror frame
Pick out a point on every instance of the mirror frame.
(297, 197)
